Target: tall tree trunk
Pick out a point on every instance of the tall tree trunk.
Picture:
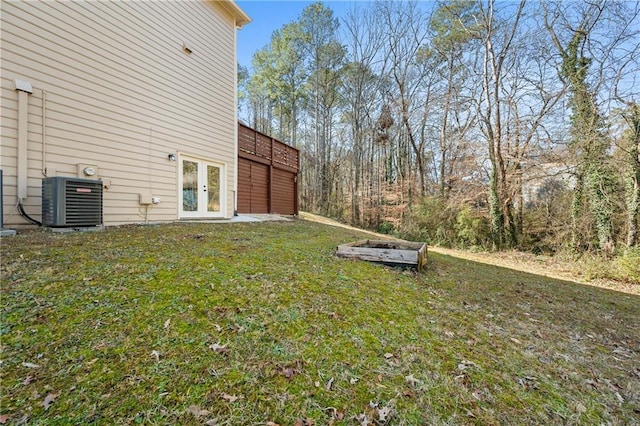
(443, 128)
(632, 180)
(577, 206)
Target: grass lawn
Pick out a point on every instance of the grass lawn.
(260, 324)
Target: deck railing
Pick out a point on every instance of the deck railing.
(253, 142)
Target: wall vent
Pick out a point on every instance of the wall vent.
(71, 202)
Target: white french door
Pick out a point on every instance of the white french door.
(202, 188)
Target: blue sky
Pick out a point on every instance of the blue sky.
(269, 16)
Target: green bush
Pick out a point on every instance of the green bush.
(386, 228)
(628, 265)
(431, 221)
(624, 267)
(471, 230)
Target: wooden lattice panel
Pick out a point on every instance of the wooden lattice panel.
(263, 146)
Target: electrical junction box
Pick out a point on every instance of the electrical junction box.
(145, 199)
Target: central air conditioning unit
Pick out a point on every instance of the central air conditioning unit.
(71, 202)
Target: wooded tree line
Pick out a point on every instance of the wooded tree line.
(462, 122)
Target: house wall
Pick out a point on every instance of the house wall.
(121, 94)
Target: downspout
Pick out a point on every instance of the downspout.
(44, 133)
(235, 121)
(24, 90)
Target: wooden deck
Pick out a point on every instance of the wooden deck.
(267, 174)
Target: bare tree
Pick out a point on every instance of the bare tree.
(406, 33)
(362, 96)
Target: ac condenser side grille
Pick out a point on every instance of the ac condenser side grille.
(69, 202)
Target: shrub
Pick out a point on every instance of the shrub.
(386, 228)
(624, 267)
(432, 221)
(628, 265)
(471, 230)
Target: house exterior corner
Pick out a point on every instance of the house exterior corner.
(138, 95)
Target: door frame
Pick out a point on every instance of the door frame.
(203, 163)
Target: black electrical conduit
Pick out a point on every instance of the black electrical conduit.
(24, 214)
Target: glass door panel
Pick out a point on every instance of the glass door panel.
(203, 189)
(189, 186)
(213, 188)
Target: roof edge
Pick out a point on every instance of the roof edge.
(240, 16)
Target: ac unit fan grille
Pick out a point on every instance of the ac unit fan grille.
(83, 207)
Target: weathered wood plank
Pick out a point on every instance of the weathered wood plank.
(390, 252)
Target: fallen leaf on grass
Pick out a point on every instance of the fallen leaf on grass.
(197, 411)
(363, 420)
(30, 365)
(218, 348)
(229, 398)
(4, 418)
(464, 364)
(391, 359)
(289, 372)
(478, 394)
(336, 414)
(470, 413)
(48, 400)
(579, 408)
(516, 341)
(384, 413)
(529, 383)
(409, 393)
(412, 381)
(329, 384)
(272, 424)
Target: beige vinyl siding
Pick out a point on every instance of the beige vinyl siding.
(120, 94)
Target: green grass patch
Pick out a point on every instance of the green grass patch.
(260, 322)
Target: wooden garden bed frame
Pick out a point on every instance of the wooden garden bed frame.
(389, 252)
